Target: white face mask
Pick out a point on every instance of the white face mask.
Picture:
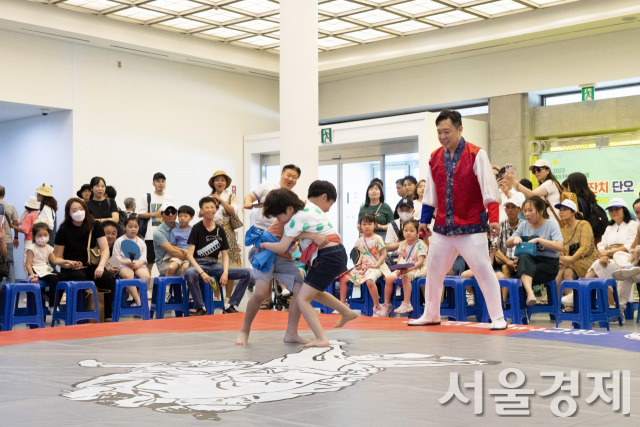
(405, 216)
(78, 216)
(42, 240)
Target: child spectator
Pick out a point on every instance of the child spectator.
(40, 257)
(179, 237)
(132, 264)
(326, 255)
(26, 224)
(412, 250)
(111, 233)
(371, 265)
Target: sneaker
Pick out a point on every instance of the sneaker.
(499, 325)
(385, 309)
(376, 311)
(567, 300)
(230, 309)
(626, 273)
(200, 311)
(471, 299)
(285, 293)
(405, 307)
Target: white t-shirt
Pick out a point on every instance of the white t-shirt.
(310, 219)
(40, 263)
(47, 216)
(417, 210)
(120, 256)
(261, 192)
(553, 196)
(155, 205)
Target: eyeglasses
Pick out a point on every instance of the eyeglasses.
(170, 212)
(537, 169)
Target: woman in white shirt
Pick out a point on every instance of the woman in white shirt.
(549, 188)
(618, 237)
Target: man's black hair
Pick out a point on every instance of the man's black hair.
(319, 187)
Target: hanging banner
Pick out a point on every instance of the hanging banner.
(611, 172)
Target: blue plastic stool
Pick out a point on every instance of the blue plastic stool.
(207, 296)
(515, 307)
(32, 315)
(178, 301)
(43, 285)
(364, 303)
(552, 305)
(590, 303)
(123, 308)
(455, 306)
(75, 310)
(416, 293)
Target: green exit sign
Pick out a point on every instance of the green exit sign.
(588, 93)
(326, 136)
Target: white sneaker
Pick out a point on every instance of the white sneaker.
(499, 325)
(376, 311)
(405, 307)
(285, 293)
(626, 273)
(385, 309)
(567, 300)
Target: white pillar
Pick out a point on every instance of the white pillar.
(299, 137)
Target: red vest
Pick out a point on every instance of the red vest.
(461, 207)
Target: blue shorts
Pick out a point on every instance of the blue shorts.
(329, 264)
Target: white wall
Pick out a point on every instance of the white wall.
(559, 64)
(34, 151)
(149, 115)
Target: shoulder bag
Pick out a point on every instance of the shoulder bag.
(93, 254)
(234, 221)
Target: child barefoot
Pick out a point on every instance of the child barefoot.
(179, 236)
(130, 265)
(328, 260)
(411, 251)
(372, 262)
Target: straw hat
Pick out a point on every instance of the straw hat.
(45, 190)
(32, 203)
(220, 173)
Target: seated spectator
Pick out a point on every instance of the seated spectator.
(179, 238)
(394, 232)
(505, 257)
(48, 209)
(579, 250)
(371, 265)
(411, 251)
(619, 236)
(78, 232)
(40, 259)
(374, 204)
(163, 249)
(629, 261)
(84, 192)
(544, 266)
(101, 207)
(111, 233)
(131, 264)
(205, 242)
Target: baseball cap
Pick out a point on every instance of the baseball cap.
(567, 203)
(517, 199)
(168, 205)
(159, 175)
(541, 163)
(405, 202)
(617, 202)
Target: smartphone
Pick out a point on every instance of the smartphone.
(509, 168)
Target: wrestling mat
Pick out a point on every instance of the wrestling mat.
(378, 371)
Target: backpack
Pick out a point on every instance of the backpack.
(598, 220)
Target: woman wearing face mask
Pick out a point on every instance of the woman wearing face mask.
(72, 243)
(394, 231)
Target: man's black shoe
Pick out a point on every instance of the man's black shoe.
(200, 312)
(231, 309)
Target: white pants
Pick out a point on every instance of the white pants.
(443, 251)
(625, 287)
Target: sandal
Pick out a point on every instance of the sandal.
(532, 301)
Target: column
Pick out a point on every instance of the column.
(299, 134)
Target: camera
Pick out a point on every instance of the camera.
(45, 111)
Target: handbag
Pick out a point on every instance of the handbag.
(526, 248)
(234, 221)
(93, 254)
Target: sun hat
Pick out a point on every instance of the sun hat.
(540, 163)
(567, 203)
(32, 203)
(617, 202)
(220, 173)
(45, 190)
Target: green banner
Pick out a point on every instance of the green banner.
(611, 172)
